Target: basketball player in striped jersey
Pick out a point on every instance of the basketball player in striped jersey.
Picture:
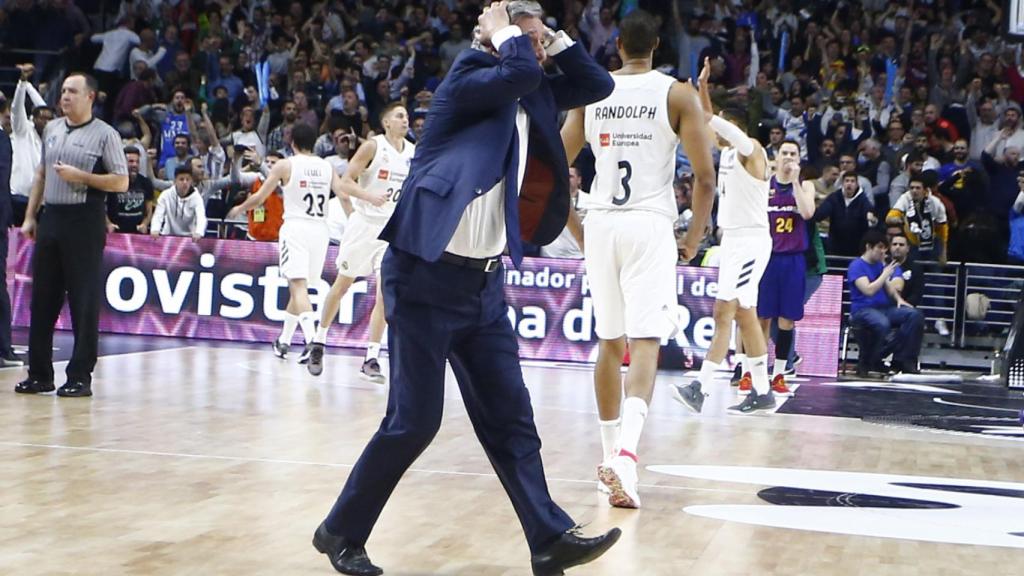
(306, 182)
(373, 178)
(631, 251)
(780, 294)
(745, 250)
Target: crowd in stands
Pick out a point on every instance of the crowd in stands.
(908, 112)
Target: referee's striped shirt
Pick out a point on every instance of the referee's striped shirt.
(93, 147)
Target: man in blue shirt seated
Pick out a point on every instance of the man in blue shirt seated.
(876, 308)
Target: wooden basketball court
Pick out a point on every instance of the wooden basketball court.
(222, 460)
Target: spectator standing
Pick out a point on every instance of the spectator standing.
(180, 210)
(289, 114)
(7, 356)
(265, 220)
(131, 212)
(110, 63)
(849, 214)
(924, 221)
(26, 140)
(173, 119)
(148, 52)
(982, 118)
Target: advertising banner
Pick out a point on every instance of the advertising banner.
(231, 290)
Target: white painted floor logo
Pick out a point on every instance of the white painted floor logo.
(948, 510)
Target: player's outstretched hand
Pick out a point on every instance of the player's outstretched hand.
(705, 72)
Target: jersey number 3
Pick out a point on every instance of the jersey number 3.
(623, 165)
(315, 204)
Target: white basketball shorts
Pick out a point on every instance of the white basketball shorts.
(302, 249)
(744, 255)
(361, 251)
(631, 258)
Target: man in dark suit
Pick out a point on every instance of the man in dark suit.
(489, 172)
(7, 356)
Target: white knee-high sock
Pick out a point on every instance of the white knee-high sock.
(291, 321)
(707, 372)
(634, 413)
(759, 373)
(779, 367)
(321, 335)
(372, 350)
(741, 361)
(308, 322)
(610, 437)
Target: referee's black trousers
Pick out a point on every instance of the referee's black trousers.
(68, 259)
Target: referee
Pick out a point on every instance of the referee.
(82, 160)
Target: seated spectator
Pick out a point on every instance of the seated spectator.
(924, 221)
(131, 211)
(877, 308)
(180, 211)
(849, 214)
(910, 270)
(566, 245)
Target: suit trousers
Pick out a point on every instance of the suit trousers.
(68, 259)
(5, 298)
(438, 311)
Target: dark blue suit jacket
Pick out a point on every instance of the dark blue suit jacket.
(470, 143)
(6, 163)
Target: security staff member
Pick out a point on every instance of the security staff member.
(82, 160)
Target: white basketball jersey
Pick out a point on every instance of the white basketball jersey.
(386, 173)
(635, 146)
(308, 189)
(742, 199)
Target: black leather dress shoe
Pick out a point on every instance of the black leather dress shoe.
(30, 386)
(570, 550)
(345, 557)
(75, 390)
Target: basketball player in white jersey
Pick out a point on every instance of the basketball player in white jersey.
(373, 178)
(630, 243)
(745, 250)
(306, 181)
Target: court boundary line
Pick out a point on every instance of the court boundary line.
(247, 459)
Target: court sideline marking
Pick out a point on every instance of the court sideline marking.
(323, 464)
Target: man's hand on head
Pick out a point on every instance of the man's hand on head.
(494, 18)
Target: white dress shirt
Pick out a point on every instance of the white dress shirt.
(481, 231)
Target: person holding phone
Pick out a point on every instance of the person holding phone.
(878, 307)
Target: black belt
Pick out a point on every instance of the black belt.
(485, 264)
